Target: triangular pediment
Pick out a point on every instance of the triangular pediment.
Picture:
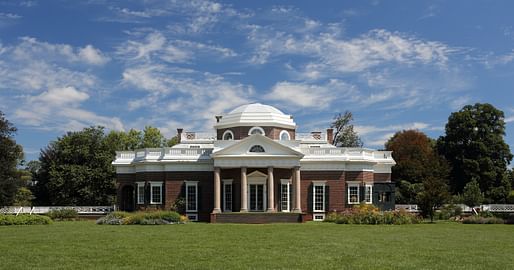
(257, 146)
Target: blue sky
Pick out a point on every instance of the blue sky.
(396, 65)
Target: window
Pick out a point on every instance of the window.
(284, 135)
(140, 192)
(318, 200)
(195, 146)
(191, 196)
(285, 195)
(368, 190)
(257, 149)
(256, 130)
(353, 194)
(155, 192)
(384, 197)
(227, 195)
(228, 135)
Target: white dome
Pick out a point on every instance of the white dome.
(256, 114)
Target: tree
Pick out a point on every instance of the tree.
(10, 156)
(23, 197)
(416, 161)
(345, 135)
(434, 194)
(472, 195)
(152, 138)
(76, 170)
(475, 147)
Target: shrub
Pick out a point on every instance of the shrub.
(24, 220)
(63, 214)
(368, 214)
(141, 218)
(482, 220)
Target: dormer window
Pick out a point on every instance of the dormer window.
(257, 149)
(228, 135)
(256, 130)
(284, 135)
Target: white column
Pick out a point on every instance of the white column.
(244, 186)
(271, 194)
(297, 190)
(217, 188)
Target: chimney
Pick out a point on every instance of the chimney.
(218, 118)
(179, 134)
(330, 135)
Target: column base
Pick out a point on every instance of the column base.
(216, 211)
(271, 210)
(243, 211)
(297, 210)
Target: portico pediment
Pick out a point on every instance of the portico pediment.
(257, 146)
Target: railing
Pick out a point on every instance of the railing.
(313, 136)
(163, 153)
(498, 208)
(81, 210)
(347, 152)
(195, 136)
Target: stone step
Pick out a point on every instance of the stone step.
(257, 218)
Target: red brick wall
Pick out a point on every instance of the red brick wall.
(382, 177)
(359, 176)
(242, 132)
(335, 180)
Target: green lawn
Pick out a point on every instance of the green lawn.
(84, 245)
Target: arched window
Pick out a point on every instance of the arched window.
(284, 135)
(256, 130)
(228, 135)
(257, 149)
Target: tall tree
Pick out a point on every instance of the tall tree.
(152, 138)
(416, 161)
(76, 170)
(11, 155)
(472, 195)
(434, 194)
(475, 147)
(345, 135)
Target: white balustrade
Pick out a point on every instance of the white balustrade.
(317, 136)
(81, 210)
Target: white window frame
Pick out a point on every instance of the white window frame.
(368, 193)
(315, 184)
(227, 132)
(250, 149)
(286, 133)
(152, 185)
(287, 183)
(191, 184)
(257, 128)
(353, 185)
(140, 185)
(228, 182)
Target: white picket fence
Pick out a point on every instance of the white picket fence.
(81, 210)
(497, 208)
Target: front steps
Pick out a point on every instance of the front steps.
(257, 218)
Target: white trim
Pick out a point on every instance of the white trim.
(228, 131)
(228, 182)
(370, 186)
(152, 185)
(284, 132)
(192, 217)
(314, 185)
(287, 183)
(351, 185)
(257, 128)
(140, 185)
(318, 217)
(191, 184)
(257, 178)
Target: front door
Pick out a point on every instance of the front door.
(256, 197)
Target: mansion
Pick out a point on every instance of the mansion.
(255, 168)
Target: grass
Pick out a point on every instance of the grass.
(84, 245)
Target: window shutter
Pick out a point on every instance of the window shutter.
(361, 194)
(199, 197)
(147, 193)
(327, 198)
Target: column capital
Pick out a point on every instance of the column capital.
(243, 169)
(217, 169)
(270, 168)
(296, 168)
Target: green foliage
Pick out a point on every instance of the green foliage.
(510, 198)
(474, 145)
(24, 220)
(449, 211)
(141, 218)
(369, 215)
(76, 170)
(482, 220)
(345, 135)
(406, 192)
(150, 137)
(434, 194)
(179, 205)
(11, 155)
(23, 197)
(472, 195)
(63, 214)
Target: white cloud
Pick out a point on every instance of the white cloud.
(10, 16)
(377, 136)
(92, 56)
(60, 96)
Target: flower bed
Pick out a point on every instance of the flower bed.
(24, 220)
(368, 214)
(142, 218)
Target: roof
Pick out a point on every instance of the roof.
(256, 114)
